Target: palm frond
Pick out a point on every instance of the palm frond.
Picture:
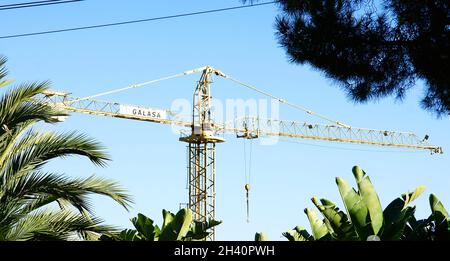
(102, 186)
(18, 111)
(36, 149)
(10, 138)
(10, 212)
(45, 188)
(3, 71)
(24, 190)
(55, 225)
(42, 189)
(19, 104)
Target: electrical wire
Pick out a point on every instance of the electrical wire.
(135, 21)
(36, 4)
(29, 3)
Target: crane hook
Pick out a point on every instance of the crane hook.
(247, 190)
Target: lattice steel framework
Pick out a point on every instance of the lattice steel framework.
(257, 127)
(202, 175)
(201, 149)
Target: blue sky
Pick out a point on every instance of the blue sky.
(147, 158)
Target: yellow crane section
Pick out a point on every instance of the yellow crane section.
(250, 127)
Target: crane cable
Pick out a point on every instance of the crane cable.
(247, 173)
(138, 85)
(298, 107)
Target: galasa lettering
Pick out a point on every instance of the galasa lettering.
(153, 114)
(146, 112)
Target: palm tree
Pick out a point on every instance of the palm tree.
(28, 194)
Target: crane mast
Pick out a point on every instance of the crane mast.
(204, 133)
(201, 150)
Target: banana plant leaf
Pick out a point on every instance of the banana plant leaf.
(179, 226)
(356, 209)
(298, 234)
(397, 214)
(336, 219)
(199, 230)
(370, 198)
(318, 227)
(124, 235)
(167, 218)
(145, 227)
(261, 237)
(437, 207)
(441, 219)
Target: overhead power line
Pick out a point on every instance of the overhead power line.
(29, 3)
(135, 21)
(36, 4)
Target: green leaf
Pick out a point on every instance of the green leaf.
(318, 227)
(397, 214)
(129, 235)
(298, 234)
(396, 223)
(212, 223)
(411, 196)
(5, 83)
(199, 230)
(356, 209)
(370, 198)
(25, 191)
(177, 229)
(437, 207)
(441, 219)
(337, 220)
(181, 223)
(304, 233)
(261, 237)
(167, 218)
(145, 227)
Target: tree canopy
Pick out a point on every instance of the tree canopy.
(372, 49)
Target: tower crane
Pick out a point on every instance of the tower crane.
(204, 133)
